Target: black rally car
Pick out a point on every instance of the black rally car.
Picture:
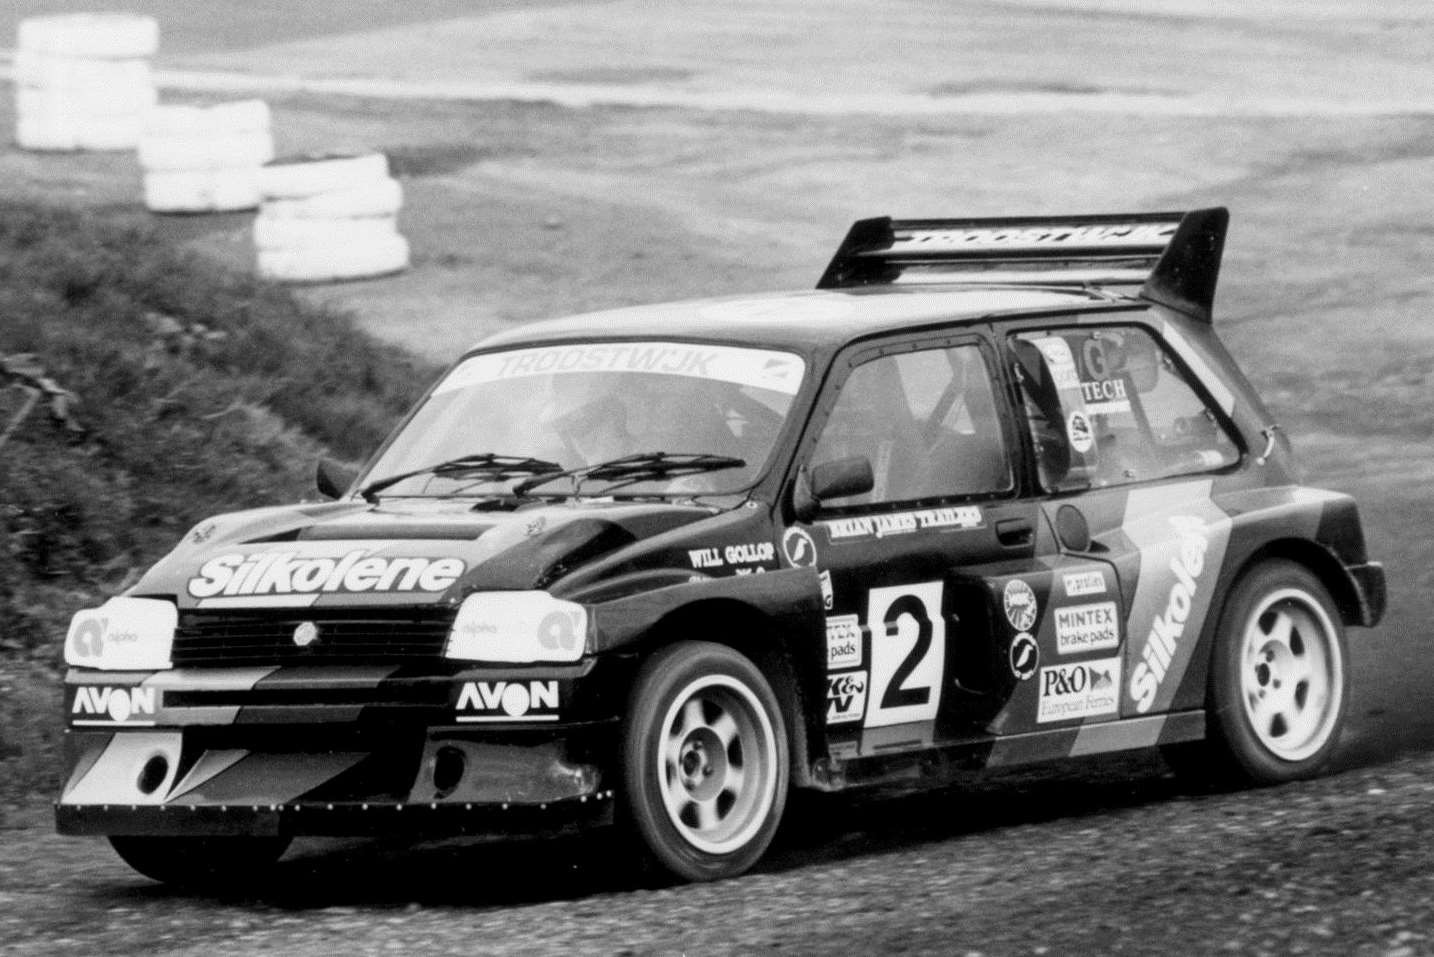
(993, 494)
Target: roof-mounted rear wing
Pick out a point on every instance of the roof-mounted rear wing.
(1173, 257)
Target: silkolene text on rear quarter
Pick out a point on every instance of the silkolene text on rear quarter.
(994, 493)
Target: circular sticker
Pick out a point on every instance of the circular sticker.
(1079, 432)
(799, 548)
(1025, 655)
(1020, 604)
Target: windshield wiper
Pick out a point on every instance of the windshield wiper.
(641, 467)
(493, 466)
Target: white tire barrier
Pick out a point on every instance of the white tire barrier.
(205, 159)
(83, 81)
(329, 218)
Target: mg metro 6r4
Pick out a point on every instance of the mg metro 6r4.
(994, 493)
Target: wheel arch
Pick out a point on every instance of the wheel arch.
(754, 633)
(1320, 562)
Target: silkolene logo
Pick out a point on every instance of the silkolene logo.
(290, 573)
(1168, 627)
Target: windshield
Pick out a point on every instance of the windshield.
(577, 405)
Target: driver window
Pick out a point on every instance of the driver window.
(926, 421)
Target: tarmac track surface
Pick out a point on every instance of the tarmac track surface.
(1109, 858)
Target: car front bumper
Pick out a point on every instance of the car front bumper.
(351, 750)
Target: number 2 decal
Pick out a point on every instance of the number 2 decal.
(908, 653)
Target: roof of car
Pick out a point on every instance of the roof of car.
(801, 320)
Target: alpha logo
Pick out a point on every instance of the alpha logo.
(1020, 604)
(1080, 584)
(1083, 690)
(843, 642)
(1168, 628)
(1025, 655)
(508, 701)
(1092, 627)
(114, 705)
(289, 573)
(799, 548)
(846, 697)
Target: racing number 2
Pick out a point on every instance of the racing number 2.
(908, 653)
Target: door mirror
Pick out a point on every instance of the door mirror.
(836, 479)
(332, 479)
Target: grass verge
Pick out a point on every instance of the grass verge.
(146, 388)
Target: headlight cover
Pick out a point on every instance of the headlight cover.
(518, 626)
(123, 634)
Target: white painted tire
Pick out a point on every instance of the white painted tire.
(224, 119)
(334, 263)
(98, 35)
(202, 191)
(280, 233)
(201, 151)
(46, 133)
(382, 197)
(301, 176)
(100, 133)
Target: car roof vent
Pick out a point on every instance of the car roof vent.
(1173, 257)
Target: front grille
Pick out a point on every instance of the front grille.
(368, 636)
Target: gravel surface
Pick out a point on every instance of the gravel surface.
(1110, 858)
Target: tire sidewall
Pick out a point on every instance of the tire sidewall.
(1231, 724)
(666, 674)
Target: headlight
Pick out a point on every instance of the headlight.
(518, 626)
(123, 634)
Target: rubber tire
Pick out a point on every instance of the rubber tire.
(204, 862)
(1234, 753)
(202, 191)
(217, 119)
(99, 35)
(374, 257)
(282, 232)
(205, 150)
(663, 677)
(296, 177)
(381, 197)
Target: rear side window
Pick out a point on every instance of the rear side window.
(1109, 406)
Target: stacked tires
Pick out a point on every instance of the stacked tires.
(205, 159)
(329, 218)
(83, 81)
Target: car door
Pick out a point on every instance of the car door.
(909, 642)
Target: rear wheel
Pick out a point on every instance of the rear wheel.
(201, 861)
(1278, 679)
(705, 761)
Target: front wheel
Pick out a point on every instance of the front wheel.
(705, 761)
(201, 861)
(1279, 676)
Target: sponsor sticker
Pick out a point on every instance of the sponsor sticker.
(1081, 584)
(1025, 655)
(1092, 627)
(1105, 397)
(902, 523)
(291, 573)
(761, 368)
(1168, 628)
(99, 705)
(799, 549)
(749, 553)
(1083, 690)
(1078, 430)
(828, 596)
(1059, 360)
(1020, 602)
(843, 642)
(480, 701)
(846, 697)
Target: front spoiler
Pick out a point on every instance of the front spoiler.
(336, 820)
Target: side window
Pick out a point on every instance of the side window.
(1109, 406)
(927, 422)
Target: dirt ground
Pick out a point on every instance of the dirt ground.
(558, 157)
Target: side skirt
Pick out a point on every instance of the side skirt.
(941, 762)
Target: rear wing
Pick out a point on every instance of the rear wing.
(1173, 257)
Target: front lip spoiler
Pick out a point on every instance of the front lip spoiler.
(436, 819)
